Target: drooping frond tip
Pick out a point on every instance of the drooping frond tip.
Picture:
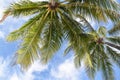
(4, 17)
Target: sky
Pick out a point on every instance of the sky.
(59, 68)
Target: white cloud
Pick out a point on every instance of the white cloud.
(3, 67)
(67, 71)
(2, 4)
(14, 77)
(14, 74)
(35, 67)
(2, 35)
(28, 75)
(64, 71)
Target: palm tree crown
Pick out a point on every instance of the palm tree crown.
(54, 21)
(100, 54)
(44, 32)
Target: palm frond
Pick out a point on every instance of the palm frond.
(112, 45)
(21, 32)
(115, 29)
(6, 14)
(114, 56)
(107, 69)
(94, 50)
(71, 28)
(105, 64)
(91, 70)
(102, 31)
(25, 8)
(52, 40)
(79, 56)
(28, 51)
(94, 12)
(30, 45)
(108, 4)
(68, 49)
(114, 39)
(87, 26)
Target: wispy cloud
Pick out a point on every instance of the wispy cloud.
(6, 72)
(3, 67)
(14, 77)
(2, 35)
(64, 71)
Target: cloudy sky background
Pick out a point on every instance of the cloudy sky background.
(59, 68)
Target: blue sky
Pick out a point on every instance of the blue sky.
(59, 68)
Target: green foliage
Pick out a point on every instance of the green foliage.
(102, 31)
(26, 8)
(115, 56)
(116, 29)
(115, 39)
(51, 24)
(51, 41)
(99, 55)
(96, 9)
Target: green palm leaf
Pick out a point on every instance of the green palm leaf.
(114, 39)
(114, 56)
(26, 8)
(115, 29)
(94, 11)
(102, 31)
(51, 41)
(54, 21)
(109, 4)
(30, 45)
(20, 33)
(107, 69)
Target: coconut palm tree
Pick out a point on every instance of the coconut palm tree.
(53, 22)
(43, 34)
(101, 53)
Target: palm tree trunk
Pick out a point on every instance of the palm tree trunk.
(52, 2)
(113, 45)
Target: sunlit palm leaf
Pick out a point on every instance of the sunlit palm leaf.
(114, 56)
(52, 22)
(30, 46)
(114, 39)
(109, 4)
(102, 31)
(94, 11)
(107, 69)
(115, 29)
(87, 26)
(26, 8)
(52, 39)
(20, 33)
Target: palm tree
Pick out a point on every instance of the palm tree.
(43, 34)
(101, 53)
(53, 22)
